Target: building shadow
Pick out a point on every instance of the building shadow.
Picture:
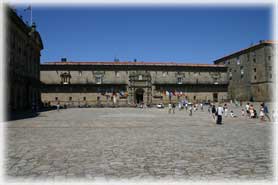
(18, 115)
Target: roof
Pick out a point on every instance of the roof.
(261, 43)
(134, 64)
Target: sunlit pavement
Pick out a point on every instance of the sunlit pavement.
(131, 143)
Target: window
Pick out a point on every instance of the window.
(163, 73)
(255, 77)
(254, 60)
(270, 76)
(140, 77)
(255, 69)
(65, 78)
(238, 60)
(179, 80)
(229, 62)
(230, 70)
(230, 78)
(98, 80)
(194, 97)
(70, 98)
(269, 57)
(56, 98)
(117, 73)
(80, 73)
(241, 76)
(84, 98)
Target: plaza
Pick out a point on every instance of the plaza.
(137, 144)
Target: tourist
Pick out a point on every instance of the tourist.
(252, 112)
(225, 110)
(195, 108)
(266, 111)
(242, 112)
(186, 106)
(58, 106)
(219, 113)
(179, 106)
(213, 111)
(173, 108)
(209, 108)
(201, 105)
(262, 113)
(190, 110)
(232, 114)
(170, 108)
(247, 107)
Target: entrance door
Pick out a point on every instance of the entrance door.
(215, 97)
(139, 96)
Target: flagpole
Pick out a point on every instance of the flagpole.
(31, 16)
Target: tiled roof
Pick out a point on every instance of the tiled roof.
(245, 49)
(133, 64)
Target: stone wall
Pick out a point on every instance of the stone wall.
(250, 73)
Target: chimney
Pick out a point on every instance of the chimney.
(63, 59)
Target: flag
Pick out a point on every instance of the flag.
(28, 8)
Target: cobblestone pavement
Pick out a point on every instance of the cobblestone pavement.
(136, 144)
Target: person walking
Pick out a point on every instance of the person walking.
(209, 108)
(225, 110)
(169, 108)
(266, 111)
(58, 106)
(219, 112)
(186, 106)
(247, 108)
(173, 108)
(202, 108)
(190, 110)
(262, 114)
(213, 111)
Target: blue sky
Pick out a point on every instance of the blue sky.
(179, 34)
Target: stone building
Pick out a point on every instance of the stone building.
(250, 72)
(23, 46)
(129, 83)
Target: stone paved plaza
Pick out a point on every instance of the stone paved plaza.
(137, 144)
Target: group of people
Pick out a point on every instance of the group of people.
(251, 112)
(218, 112)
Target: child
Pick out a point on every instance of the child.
(232, 114)
(262, 113)
(242, 112)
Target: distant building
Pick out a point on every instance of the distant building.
(130, 83)
(250, 72)
(23, 63)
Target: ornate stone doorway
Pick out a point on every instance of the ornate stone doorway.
(139, 96)
(140, 87)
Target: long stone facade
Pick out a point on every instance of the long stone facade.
(250, 72)
(130, 83)
(23, 46)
